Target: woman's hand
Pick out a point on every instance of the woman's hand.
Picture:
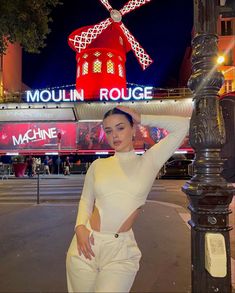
(84, 241)
(135, 115)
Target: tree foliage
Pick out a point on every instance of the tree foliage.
(26, 22)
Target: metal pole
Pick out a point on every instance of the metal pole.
(59, 148)
(208, 193)
(38, 191)
(58, 164)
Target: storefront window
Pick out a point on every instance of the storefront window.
(226, 28)
(120, 70)
(97, 66)
(228, 86)
(78, 71)
(110, 67)
(110, 54)
(85, 68)
(97, 54)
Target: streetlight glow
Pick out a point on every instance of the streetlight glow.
(220, 59)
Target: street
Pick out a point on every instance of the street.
(34, 237)
(54, 188)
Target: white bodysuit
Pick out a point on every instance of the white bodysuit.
(120, 184)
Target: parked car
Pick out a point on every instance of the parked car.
(178, 169)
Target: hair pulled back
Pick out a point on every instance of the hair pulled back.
(120, 112)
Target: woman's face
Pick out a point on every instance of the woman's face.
(119, 132)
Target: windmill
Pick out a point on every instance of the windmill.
(101, 51)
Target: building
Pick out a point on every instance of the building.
(226, 46)
(48, 117)
(34, 127)
(11, 74)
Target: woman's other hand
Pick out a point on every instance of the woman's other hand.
(135, 115)
(84, 241)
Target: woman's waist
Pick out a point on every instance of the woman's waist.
(110, 234)
(122, 221)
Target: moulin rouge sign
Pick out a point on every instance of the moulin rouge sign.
(72, 95)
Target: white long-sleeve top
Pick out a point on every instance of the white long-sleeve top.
(120, 184)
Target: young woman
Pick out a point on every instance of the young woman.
(103, 255)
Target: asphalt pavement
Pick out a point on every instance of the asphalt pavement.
(34, 240)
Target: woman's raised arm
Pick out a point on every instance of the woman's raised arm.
(177, 128)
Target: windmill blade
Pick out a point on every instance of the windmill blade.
(81, 41)
(139, 51)
(106, 4)
(131, 5)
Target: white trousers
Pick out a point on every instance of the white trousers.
(113, 269)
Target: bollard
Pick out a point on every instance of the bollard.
(38, 192)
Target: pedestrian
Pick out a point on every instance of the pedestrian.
(38, 162)
(103, 255)
(50, 165)
(46, 169)
(67, 166)
(30, 166)
(34, 166)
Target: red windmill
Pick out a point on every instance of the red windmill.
(101, 51)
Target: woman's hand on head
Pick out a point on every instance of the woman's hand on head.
(135, 115)
(84, 241)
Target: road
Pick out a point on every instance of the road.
(67, 189)
(64, 193)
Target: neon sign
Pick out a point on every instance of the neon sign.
(72, 95)
(34, 135)
(115, 94)
(46, 96)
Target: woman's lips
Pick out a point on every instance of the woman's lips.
(116, 143)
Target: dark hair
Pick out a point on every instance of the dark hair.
(118, 111)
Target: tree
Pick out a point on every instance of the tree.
(25, 22)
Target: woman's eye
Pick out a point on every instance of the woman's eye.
(108, 132)
(121, 128)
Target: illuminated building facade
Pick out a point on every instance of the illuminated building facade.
(226, 46)
(11, 73)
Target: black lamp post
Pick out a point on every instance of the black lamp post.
(208, 193)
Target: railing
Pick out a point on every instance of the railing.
(172, 93)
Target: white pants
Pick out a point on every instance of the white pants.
(113, 269)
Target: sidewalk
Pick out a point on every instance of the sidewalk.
(41, 176)
(34, 240)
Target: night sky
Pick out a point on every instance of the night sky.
(162, 27)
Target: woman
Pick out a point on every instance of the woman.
(103, 255)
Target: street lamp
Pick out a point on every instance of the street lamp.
(208, 193)
(220, 59)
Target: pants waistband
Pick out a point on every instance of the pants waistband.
(110, 234)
